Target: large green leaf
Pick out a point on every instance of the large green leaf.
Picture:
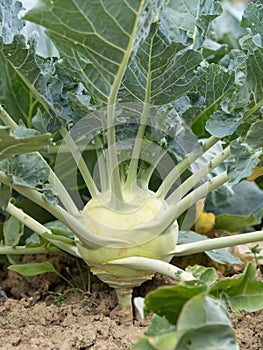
(222, 124)
(22, 72)
(255, 135)
(13, 230)
(28, 170)
(5, 193)
(21, 141)
(252, 19)
(9, 22)
(187, 20)
(168, 301)
(243, 162)
(96, 55)
(160, 73)
(243, 208)
(242, 293)
(33, 269)
(204, 324)
(215, 85)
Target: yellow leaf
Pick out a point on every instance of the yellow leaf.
(258, 171)
(205, 222)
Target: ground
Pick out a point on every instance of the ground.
(42, 313)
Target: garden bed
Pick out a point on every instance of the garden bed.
(41, 312)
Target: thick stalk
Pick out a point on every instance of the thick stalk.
(152, 265)
(102, 167)
(76, 154)
(200, 193)
(182, 166)
(112, 160)
(216, 243)
(133, 168)
(194, 179)
(117, 197)
(124, 310)
(35, 226)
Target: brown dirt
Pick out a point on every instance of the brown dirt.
(42, 313)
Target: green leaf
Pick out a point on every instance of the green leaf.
(242, 293)
(243, 162)
(13, 230)
(221, 124)
(97, 56)
(27, 170)
(254, 136)
(21, 141)
(10, 24)
(33, 269)
(160, 334)
(207, 275)
(187, 20)
(159, 326)
(5, 193)
(204, 324)
(143, 344)
(168, 301)
(222, 256)
(233, 223)
(254, 46)
(253, 18)
(22, 71)
(215, 85)
(245, 204)
(160, 73)
(59, 229)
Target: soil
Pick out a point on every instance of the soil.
(43, 313)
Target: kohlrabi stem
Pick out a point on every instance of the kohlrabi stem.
(82, 166)
(147, 264)
(200, 192)
(35, 226)
(112, 160)
(133, 167)
(102, 166)
(216, 243)
(194, 179)
(182, 166)
(52, 178)
(116, 191)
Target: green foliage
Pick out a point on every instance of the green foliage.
(33, 269)
(190, 312)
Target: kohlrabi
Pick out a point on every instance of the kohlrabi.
(142, 121)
